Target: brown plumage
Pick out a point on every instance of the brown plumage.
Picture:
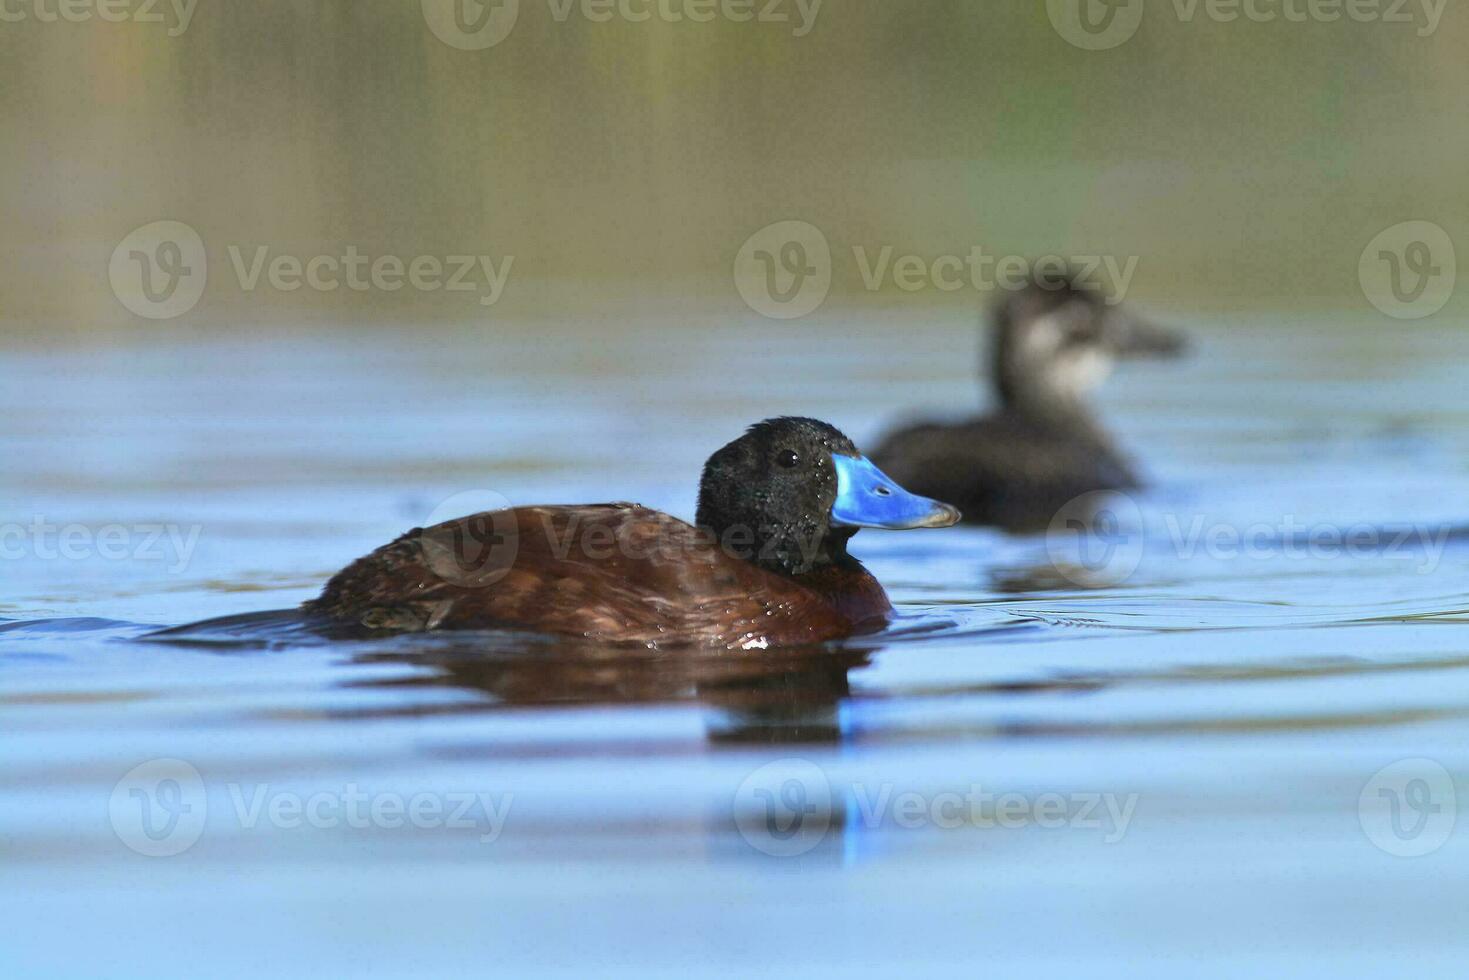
(608, 572)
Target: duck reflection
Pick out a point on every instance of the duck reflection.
(789, 696)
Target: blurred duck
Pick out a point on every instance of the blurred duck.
(766, 567)
(1053, 343)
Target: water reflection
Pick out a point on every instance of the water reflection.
(793, 696)
(789, 695)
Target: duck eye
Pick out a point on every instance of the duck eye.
(787, 458)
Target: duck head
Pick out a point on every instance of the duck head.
(790, 493)
(1056, 340)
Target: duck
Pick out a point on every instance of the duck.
(765, 565)
(1053, 342)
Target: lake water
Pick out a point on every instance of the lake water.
(1224, 738)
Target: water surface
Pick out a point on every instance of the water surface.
(1220, 684)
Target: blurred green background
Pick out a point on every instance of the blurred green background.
(623, 163)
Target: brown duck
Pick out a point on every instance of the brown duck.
(766, 566)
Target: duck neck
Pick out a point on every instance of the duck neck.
(1033, 381)
(851, 590)
(788, 550)
(826, 568)
(1038, 401)
(794, 555)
